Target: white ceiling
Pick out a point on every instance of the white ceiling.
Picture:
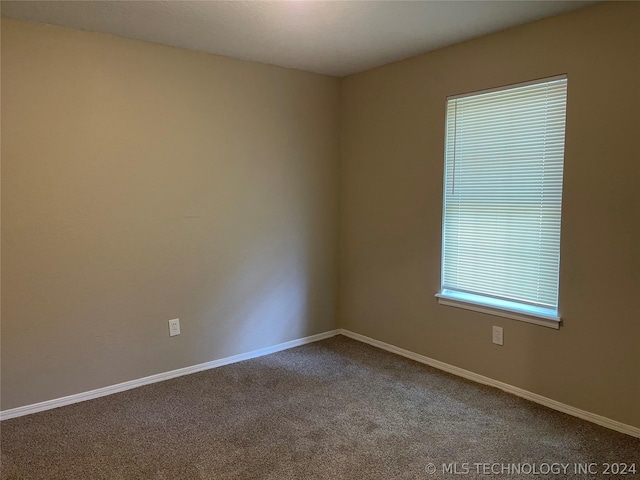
(331, 37)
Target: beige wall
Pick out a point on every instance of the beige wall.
(392, 167)
(142, 183)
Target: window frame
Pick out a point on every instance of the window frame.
(487, 304)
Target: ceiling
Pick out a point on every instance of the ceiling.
(331, 37)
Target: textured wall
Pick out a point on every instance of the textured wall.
(142, 183)
(391, 213)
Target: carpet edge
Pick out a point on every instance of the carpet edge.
(519, 392)
(158, 377)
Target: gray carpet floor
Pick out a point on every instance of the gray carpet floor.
(335, 409)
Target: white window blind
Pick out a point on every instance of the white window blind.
(503, 196)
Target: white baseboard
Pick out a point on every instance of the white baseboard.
(120, 387)
(534, 397)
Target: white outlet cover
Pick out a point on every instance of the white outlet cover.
(498, 338)
(174, 327)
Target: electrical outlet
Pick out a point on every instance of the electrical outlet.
(174, 327)
(498, 339)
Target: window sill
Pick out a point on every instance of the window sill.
(500, 308)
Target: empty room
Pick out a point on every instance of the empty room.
(320, 240)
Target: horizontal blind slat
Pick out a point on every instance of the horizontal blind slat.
(504, 160)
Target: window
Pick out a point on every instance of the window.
(502, 201)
